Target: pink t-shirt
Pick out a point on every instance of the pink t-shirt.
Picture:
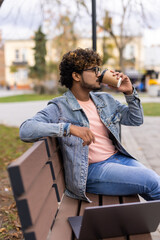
(103, 147)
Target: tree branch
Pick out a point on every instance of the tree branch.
(1, 1)
(110, 31)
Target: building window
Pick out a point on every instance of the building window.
(132, 51)
(24, 55)
(17, 54)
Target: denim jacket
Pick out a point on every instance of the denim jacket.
(63, 111)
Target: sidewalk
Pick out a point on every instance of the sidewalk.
(7, 93)
(143, 143)
(13, 114)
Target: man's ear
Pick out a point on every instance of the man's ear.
(76, 76)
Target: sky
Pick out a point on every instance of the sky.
(20, 18)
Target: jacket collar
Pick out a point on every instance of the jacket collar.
(72, 101)
(97, 100)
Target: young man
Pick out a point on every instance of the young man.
(87, 124)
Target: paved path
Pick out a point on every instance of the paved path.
(13, 114)
(143, 142)
(7, 93)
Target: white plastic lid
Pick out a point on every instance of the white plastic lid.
(119, 82)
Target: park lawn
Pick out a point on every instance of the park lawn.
(151, 109)
(27, 97)
(11, 147)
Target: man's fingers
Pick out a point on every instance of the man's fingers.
(84, 133)
(88, 138)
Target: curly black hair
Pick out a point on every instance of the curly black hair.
(77, 61)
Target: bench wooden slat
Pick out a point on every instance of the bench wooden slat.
(145, 236)
(109, 200)
(52, 145)
(116, 238)
(40, 229)
(130, 199)
(61, 228)
(60, 183)
(31, 202)
(23, 171)
(140, 237)
(56, 163)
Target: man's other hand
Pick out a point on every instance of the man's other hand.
(84, 133)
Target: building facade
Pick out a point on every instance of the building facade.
(19, 55)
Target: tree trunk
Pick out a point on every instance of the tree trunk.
(1, 1)
(121, 60)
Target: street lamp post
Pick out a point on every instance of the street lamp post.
(94, 37)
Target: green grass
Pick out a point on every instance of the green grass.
(151, 109)
(27, 97)
(11, 146)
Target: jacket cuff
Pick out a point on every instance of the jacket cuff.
(132, 96)
(66, 129)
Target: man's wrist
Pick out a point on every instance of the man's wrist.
(129, 92)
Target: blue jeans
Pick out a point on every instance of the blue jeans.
(122, 175)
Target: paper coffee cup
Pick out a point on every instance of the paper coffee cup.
(108, 78)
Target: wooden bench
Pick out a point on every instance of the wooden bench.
(38, 185)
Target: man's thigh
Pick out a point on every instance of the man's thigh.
(117, 177)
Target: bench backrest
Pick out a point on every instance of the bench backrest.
(37, 187)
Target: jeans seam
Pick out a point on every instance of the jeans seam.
(118, 183)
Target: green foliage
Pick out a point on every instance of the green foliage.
(52, 67)
(62, 89)
(13, 69)
(38, 71)
(67, 39)
(107, 45)
(11, 146)
(107, 22)
(107, 50)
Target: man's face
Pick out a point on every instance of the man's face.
(89, 78)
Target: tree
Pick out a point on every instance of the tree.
(66, 40)
(146, 13)
(138, 10)
(1, 1)
(107, 48)
(122, 39)
(38, 71)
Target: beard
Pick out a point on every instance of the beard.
(90, 87)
